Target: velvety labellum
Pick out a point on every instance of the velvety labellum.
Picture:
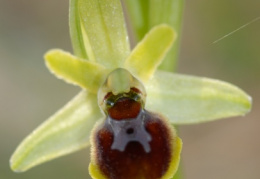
(136, 148)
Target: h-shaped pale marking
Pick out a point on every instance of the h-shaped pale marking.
(130, 130)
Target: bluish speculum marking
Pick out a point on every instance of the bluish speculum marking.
(129, 130)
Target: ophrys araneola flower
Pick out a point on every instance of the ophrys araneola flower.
(101, 48)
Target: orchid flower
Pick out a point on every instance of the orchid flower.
(127, 105)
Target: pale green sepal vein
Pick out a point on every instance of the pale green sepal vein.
(76, 33)
(86, 74)
(149, 53)
(186, 99)
(65, 132)
(105, 31)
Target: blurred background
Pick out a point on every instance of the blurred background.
(226, 149)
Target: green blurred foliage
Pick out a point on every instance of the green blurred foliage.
(30, 94)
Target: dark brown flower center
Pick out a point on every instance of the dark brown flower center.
(134, 161)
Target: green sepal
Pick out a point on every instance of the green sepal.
(86, 74)
(65, 132)
(104, 31)
(187, 99)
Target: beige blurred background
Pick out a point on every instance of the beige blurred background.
(225, 149)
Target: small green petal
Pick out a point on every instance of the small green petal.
(149, 53)
(65, 132)
(105, 31)
(74, 70)
(186, 99)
